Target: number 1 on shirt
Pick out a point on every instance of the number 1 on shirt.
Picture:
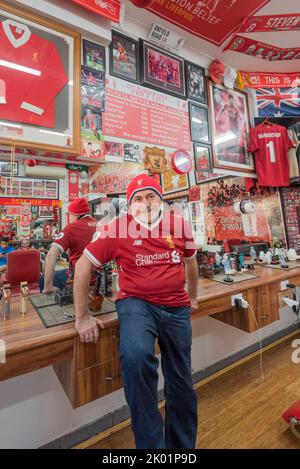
(271, 147)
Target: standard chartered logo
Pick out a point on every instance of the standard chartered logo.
(2, 351)
(175, 257)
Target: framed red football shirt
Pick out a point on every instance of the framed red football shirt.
(150, 261)
(270, 145)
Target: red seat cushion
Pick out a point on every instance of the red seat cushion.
(23, 266)
(293, 411)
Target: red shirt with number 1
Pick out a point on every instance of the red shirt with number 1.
(270, 145)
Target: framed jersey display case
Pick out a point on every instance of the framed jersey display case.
(39, 82)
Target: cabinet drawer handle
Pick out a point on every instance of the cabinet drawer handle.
(111, 378)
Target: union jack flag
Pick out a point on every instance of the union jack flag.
(278, 102)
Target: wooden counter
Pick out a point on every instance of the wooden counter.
(89, 371)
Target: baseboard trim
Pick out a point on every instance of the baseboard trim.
(88, 435)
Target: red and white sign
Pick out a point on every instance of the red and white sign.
(110, 9)
(261, 50)
(133, 112)
(270, 80)
(73, 184)
(263, 24)
(38, 202)
(213, 20)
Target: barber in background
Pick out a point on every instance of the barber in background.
(72, 239)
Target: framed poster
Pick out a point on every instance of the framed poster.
(161, 70)
(172, 182)
(46, 211)
(5, 168)
(124, 57)
(92, 89)
(195, 82)
(199, 123)
(40, 92)
(230, 127)
(93, 55)
(203, 159)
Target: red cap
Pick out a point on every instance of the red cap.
(216, 71)
(79, 207)
(141, 183)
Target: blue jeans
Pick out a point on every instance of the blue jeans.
(140, 324)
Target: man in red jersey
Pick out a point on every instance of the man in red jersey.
(72, 239)
(155, 254)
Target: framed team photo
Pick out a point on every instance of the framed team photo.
(124, 57)
(93, 55)
(7, 168)
(230, 123)
(203, 160)
(199, 123)
(162, 71)
(39, 104)
(195, 82)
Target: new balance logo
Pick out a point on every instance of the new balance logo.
(137, 242)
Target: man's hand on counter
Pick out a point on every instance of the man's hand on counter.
(194, 304)
(88, 328)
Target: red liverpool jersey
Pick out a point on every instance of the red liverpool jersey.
(75, 237)
(150, 262)
(31, 74)
(270, 145)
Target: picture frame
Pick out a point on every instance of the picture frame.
(172, 182)
(195, 82)
(32, 118)
(161, 70)
(199, 123)
(92, 89)
(93, 55)
(5, 168)
(203, 159)
(230, 125)
(124, 57)
(26, 187)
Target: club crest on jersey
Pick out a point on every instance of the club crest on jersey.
(170, 242)
(139, 182)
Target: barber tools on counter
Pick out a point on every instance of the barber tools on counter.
(6, 296)
(24, 293)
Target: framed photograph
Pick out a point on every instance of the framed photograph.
(40, 104)
(203, 159)
(133, 152)
(46, 211)
(195, 82)
(173, 182)
(30, 188)
(92, 89)
(230, 126)
(124, 57)
(5, 168)
(93, 55)
(199, 123)
(161, 70)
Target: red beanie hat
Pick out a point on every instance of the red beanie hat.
(141, 183)
(79, 207)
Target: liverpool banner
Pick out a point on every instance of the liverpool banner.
(264, 24)
(110, 9)
(268, 80)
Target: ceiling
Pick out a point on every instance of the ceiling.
(236, 59)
